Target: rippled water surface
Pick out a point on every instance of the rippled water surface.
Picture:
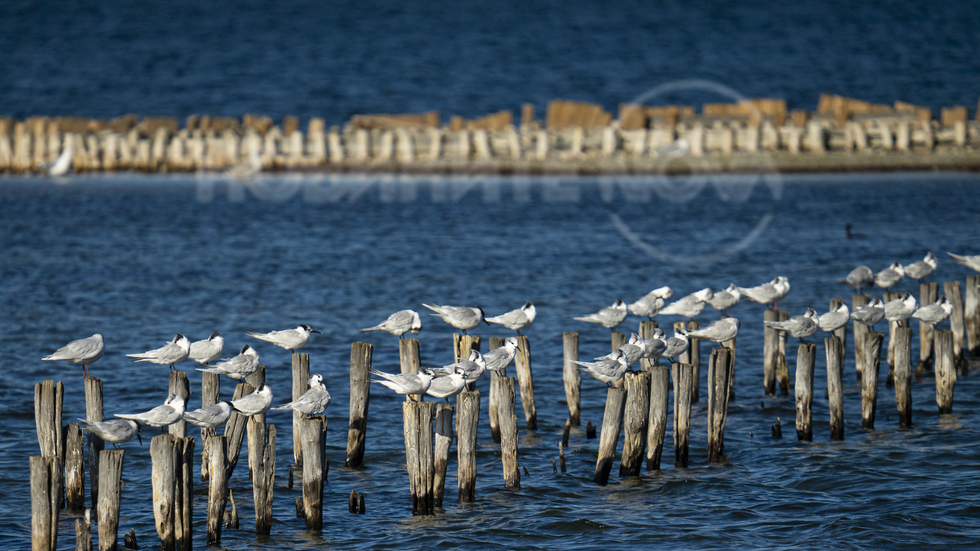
(139, 259)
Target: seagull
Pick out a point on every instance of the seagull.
(521, 318)
(210, 417)
(116, 431)
(859, 278)
(63, 164)
(922, 268)
(633, 350)
(448, 386)
(167, 414)
(171, 353)
(676, 345)
(652, 302)
(245, 171)
(934, 313)
(208, 350)
(405, 383)
(239, 367)
(460, 317)
(499, 358)
(890, 275)
(472, 368)
(82, 351)
(399, 323)
(869, 314)
(834, 319)
(723, 300)
(689, 306)
(719, 331)
(258, 402)
(290, 339)
(901, 308)
(609, 317)
(607, 370)
(972, 262)
(312, 402)
(768, 293)
(655, 346)
(798, 326)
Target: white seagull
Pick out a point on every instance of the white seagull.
(472, 367)
(210, 417)
(801, 326)
(859, 278)
(173, 352)
(650, 304)
(972, 262)
(115, 431)
(934, 313)
(890, 276)
(834, 319)
(689, 306)
(399, 323)
(312, 402)
(901, 308)
(728, 298)
(655, 346)
(633, 350)
(168, 413)
(869, 314)
(501, 357)
(463, 318)
(259, 401)
(62, 165)
(239, 367)
(676, 345)
(290, 339)
(208, 350)
(719, 331)
(607, 370)
(448, 386)
(82, 351)
(521, 318)
(768, 293)
(609, 317)
(405, 383)
(922, 268)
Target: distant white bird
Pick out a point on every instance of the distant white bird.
(609, 317)
(676, 345)
(972, 262)
(901, 308)
(936, 312)
(312, 402)
(208, 350)
(63, 164)
(522, 318)
(399, 323)
(405, 383)
(245, 170)
(608, 370)
(869, 314)
(689, 306)
(834, 319)
(922, 268)
(801, 326)
(859, 278)
(168, 413)
(472, 367)
(116, 431)
(633, 350)
(463, 318)
(210, 417)
(258, 402)
(719, 331)
(239, 367)
(651, 303)
(82, 351)
(501, 357)
(448, 386)
(890, 276)
(768, 293)
(728, 298)
(173, 352)
(290, 339)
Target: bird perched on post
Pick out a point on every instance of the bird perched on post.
(608, 370)
(922, 268)
(173, 352)
(768, 293)
(972, 262)
(405, 383)
(116, 431)
(239, 367)
(934, 313)
(210, 417)
(447, 386)
(81, 351)
(608, 317)
(651, 303)
(689, 306)
(208, 350)
(312, 402)
(728, 298)
(258, 402)
(890, 276)
(163, 415)
(719, 331)
(290, 339)
(834, 319)
(869, 314)
(859, 278)
(399, 323)
(499, 358)
(798, 326)
(463, 318)
(901, 308)
(521, 318)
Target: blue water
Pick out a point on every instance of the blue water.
(139, 259)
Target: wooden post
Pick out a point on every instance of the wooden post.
(694, 354)
(408, 355)
(508, 433)
(360, 397)
(928, 293)
(74, 469)
(218, 489)
(45, 502)
(617, 339)
(93, 412)
(903, 374)
(210, 394)
(467, 422)
(971, 315)
(180, 386)
(301, 378)
(83, 532)
(163, 477)
(840, 333)
(495, 343)
(782, 367)
(110, 488)
(635, 423)
(522, 361)
(835, 392)
(860, 330)
(887, 297)
(657, 424)
(444, 435)
(612, 421)
(682, 375)
(418, 418)
(462, 344)
(313, 433)
(945, 370)
(772, 360)
(184, 516)
(235, 431)
(48, 403)
(805, 362)
(955, 297)
(262, 460)
(719, 377)
(572, 377)
(869, 378)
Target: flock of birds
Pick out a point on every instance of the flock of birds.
(449, 380)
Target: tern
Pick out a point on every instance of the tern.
(607, 370)
(719, 331)
(972, 262)
(634, 349)
(258, 402)
(171, 353)
(689, 306)
(890, 276)
(81, 351)
(463, 318)
(472, 367)
(405, 383)
(676, 345)
(210, 417)
(768, 293)
(239, 367)
(448, 386)
(62, 165)
(521, 318)
(801, 326)
(859, 278)
(869, 314)
(655, 346)
(651, 304)
(922, 268)
(168, 413)
(312, 402)
(499, 358)
(399, 323)
(901, 308)
(208, 350)
(290, 339)
(609, 317)
(834, 319)
(116, 431)
(728, 298)
(934, 313)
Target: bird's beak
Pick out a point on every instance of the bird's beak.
(140, 438)
(315, 331)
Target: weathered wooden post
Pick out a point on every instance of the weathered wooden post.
(682, 375)
(522, 361)
(657, 424)
(636, 417)
(164, 481)
(262, 460)
(313, 432)
(869, 378)
(48, 402)
(971, 315)
(770, 352)
(444, 436)
(840, 333)
(617, 339)
(45, 501)
(180, 386)
(418, 417)
(928, 293)
(83, 532)
(218, 489)
(572, 377)
(408, 355)
(805, 362)
(903, 374)
(720, 365)
(945, 370)
(508, 433)
(210, 394)
(495, 343)
(74, 468)
(835, 392)
(235, 430)
(93, 412)
(110, 489)
(860, 330)
(694, 357)
(782, 367)
(467, 422)
(462, 344)
(612, 421)
(184, 517)
(360, 397)
(955, 297)
(301, 377)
